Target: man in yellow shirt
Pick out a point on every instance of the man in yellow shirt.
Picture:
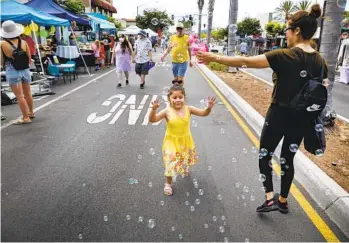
(181, 54)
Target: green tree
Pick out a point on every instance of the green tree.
(153, 19)
(118, 25)
(187, 23)
(285, 9)
(274, 29)
(74, 6)
(249, 26)
(220, 33)
(303, 5)
(203, 35)
(346, 14)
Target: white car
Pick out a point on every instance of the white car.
(216, 48)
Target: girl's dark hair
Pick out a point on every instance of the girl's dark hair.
(306, 21)
(176, 87)
(125, 44)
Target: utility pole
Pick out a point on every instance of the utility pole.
(200, 5)
(232, 29)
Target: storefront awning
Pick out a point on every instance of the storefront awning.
(104, 24)
(104, 4)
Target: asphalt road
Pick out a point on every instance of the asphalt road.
(340, 91)
(66, 176)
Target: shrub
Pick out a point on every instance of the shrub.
(218, 67)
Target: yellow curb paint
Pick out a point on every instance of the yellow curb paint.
(319, 223)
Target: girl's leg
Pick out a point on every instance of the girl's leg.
(28, 97)
(168, 189)
(169, 180)
(17, 89)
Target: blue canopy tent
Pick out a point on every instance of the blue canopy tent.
(50, 7)
(96, 20)
(19, 13)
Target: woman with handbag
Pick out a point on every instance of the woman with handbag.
(16, 58)
(293, 68)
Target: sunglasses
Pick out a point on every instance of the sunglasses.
(289, 28)
(179, 29)
(177, 81)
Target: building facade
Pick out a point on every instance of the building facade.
(104, 7)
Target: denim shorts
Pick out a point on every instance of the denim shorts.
(15, 77)
(179, 69)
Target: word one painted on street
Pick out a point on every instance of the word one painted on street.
(119, 103)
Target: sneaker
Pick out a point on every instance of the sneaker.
(283, 207)
(119, 85)
(269, 205)
(126, 82)
(141, 86)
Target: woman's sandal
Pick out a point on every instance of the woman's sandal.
(21, 122)
(168, 190)
(31, 115)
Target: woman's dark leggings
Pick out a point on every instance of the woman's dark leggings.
(280, 122)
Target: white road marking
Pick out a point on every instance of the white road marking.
(61, 96)
(41, 98)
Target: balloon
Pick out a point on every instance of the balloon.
(43, 33)
(27, 30)
(34, 27)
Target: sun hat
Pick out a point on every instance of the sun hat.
(10, 29)
(179, 25)
(142, 32)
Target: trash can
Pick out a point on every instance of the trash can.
(344, 74)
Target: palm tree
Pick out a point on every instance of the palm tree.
(285, 9)
(209, 20)
(232, 28)
(200, 5)
(330, 33)
(303, 5)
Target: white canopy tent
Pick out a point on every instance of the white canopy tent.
(150, 32)
(131, 30)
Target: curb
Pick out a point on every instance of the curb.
(330, 196)
(272, 85)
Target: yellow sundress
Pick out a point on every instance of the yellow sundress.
(178, 147)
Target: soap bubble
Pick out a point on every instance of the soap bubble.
(194, 123)
(139, 157)
(214, 218)
(263, 152)
(166, 90)
(303, 73)
(252, 198)
(293, 148)
(262, 177)
(223, 217)
(245, 189)
(282, 161)
(197, 201)
(209, 168)
(221, 229)
(150, 184)
(206, 226)
(154, 21)
(282, 173)
(192, 208)
(219, 197)
(244, 150)
(341, 3)
(105, 218)
(201, 192)
(162, 203)
(233, 160)
(173, 228)
(180, 236)
(319, 127)
(152, 151)
(328, 192)
(233, 28)
(151, 223)
(140, 219)
(187, 203)
(128, 217)
(187, 193)
(222, 131)
(253, 150)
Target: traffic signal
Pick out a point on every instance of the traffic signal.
(190, 18)
(172, 17)
(204, 25)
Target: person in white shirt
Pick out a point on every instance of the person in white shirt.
(143, 54)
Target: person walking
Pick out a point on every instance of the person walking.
(122, 55)
(16, 58)
(243, 48)
(163, 44)
(181, 54)
(106, 41)
(143, 55)
(292, 67)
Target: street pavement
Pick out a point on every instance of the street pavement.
(84, 170)
(340, 91)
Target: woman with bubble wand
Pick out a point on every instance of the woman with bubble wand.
(179, 152)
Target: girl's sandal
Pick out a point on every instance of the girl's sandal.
(21, 122)
(168, 190)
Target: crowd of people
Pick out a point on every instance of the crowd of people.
(179, 152)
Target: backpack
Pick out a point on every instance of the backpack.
(20, 60)
(312, 97)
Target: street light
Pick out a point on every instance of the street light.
(145, 4)
(200, 5)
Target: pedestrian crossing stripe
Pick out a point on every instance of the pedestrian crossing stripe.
(121, 102)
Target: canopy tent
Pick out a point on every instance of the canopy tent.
(50, 7)
(151, 32)
(104, 24)
(131, 30)
(19, 13)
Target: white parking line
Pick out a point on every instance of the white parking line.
(60, 97)
(271, 84)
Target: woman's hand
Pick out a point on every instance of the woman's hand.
(211, 102)
(155, 104)
(205, 57)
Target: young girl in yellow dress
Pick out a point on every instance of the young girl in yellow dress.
(178, 148)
